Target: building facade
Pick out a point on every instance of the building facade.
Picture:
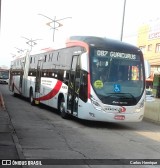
(149, 43)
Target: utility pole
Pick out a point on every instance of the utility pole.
(0, 15)
(56, 23)
(124, 6)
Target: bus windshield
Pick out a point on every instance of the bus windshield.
(4, 74)
(116, 77)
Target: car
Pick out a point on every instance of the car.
(149, 95)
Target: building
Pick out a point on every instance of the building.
(149, 43)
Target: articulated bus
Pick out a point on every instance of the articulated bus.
(93, 78)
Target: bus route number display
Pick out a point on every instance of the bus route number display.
(113, 54)
(102, 53)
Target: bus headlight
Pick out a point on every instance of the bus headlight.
(95, 104)
(140, 106)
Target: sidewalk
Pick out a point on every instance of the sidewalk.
(8, 147)
(152, 111)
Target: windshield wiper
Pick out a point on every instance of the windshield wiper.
(118, 99)
(119, 95)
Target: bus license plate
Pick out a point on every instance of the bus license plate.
(119, 117)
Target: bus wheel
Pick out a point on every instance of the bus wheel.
(31, 99)
(62, 109)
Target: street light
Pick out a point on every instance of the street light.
(31, 42)
(55, 21)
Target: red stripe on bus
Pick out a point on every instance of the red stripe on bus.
(71, 43)
(52, 93)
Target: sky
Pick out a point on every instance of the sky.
(23, 18)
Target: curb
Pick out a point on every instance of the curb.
(151, 121)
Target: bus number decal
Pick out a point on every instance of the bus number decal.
(102, 53)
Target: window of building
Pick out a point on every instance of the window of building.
(157, 47)
(150, 47)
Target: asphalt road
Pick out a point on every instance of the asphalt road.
(43, 134)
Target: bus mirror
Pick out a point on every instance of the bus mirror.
(84, 62)
(147, 69)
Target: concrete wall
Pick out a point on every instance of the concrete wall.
(152, 111)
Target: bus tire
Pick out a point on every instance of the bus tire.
(31, 99)
(61, 108)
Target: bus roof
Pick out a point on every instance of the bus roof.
(101, 42)
(4, 69)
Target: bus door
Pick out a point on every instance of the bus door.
(73, 87)
(21, 77)
(38, 78)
